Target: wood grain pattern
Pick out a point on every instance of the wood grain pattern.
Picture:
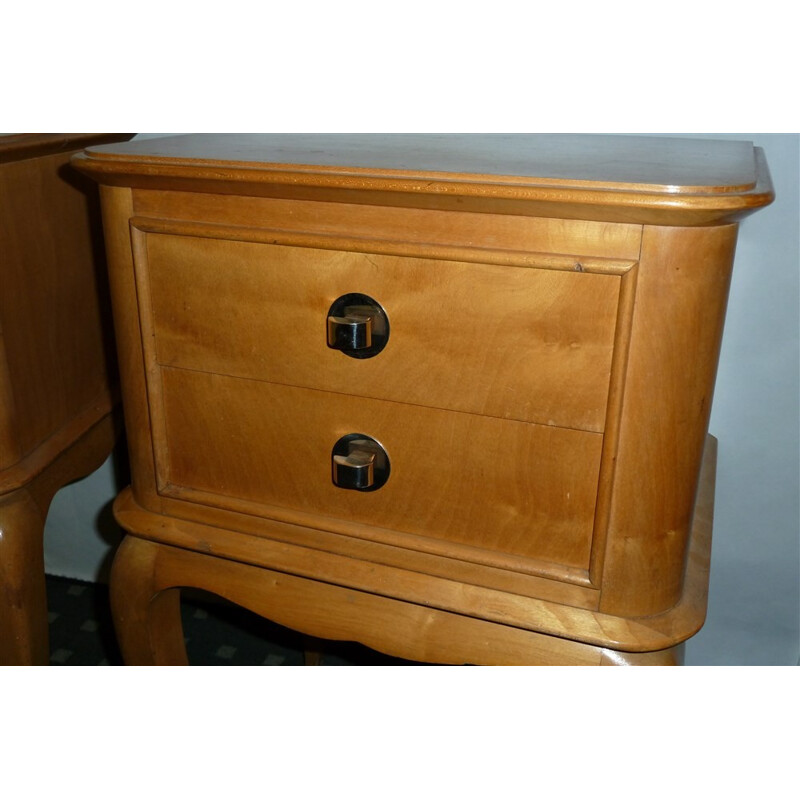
(146, 613)
(23, 512)
(117, 209)
(518, 489)
(421, 226)
(21, 146)
(54, 312)
(546, 581)
(681, 297)
(23, 614)
(536, 486)
(515, 336)
(677, 183)
(671, 166)
(653, 639)
(57, 368)
(147, 577)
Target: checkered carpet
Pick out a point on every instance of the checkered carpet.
(216, 633)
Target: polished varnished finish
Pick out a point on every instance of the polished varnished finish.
(57, 374)
(23, 512)
(22, 146)
(228, 440)
(677, 325)
(525, 353)
(543, 398)
(461, 595)
(624, 179)
(632, 162)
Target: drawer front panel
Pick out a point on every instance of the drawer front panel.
(509, 342)
(499, 485)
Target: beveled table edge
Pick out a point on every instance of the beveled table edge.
(572, 199)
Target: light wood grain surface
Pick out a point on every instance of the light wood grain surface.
(681, 182)
(58, 386)
(343, 596)
(642, 163)
(520, 489)
(515, 336)
(556, 313)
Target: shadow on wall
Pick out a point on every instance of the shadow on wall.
(105, 524)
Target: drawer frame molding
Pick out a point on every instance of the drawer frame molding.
(624, 269)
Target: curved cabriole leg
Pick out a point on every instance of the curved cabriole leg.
(24, 636)
(147, 616)
(23, 597)
(146, 612)
(145, 603)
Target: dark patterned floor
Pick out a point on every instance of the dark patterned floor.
(216, 633)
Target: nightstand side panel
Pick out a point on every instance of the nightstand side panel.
(678, 316)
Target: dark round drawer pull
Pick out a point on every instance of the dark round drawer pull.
(359, 462)
(357, 326)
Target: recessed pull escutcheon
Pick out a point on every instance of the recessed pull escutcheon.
(360, 463)
(357, 326)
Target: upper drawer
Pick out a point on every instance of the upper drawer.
(512, 342)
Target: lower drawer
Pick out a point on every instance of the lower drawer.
(457, 479)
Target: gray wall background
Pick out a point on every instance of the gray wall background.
(754, 597)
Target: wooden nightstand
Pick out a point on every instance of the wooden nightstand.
(58, 385)
(444, 395)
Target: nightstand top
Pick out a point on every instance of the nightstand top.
(648, 173)
(22, 146)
